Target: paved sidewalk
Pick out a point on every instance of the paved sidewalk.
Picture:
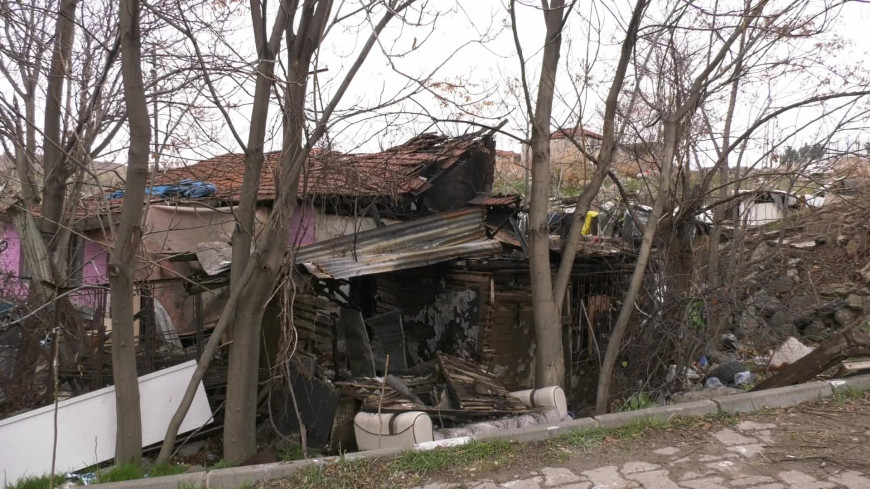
(754, 454)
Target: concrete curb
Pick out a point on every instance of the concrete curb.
(774, 398)
(238, 477)
(660, 413)
(542, 432)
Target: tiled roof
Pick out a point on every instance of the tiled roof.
(409, 168)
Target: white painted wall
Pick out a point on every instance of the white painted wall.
(86, 425)
(758, 213)
(329, 226)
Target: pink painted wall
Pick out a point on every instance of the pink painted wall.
(96, 264)
(95, 261)
(10, 265)
(10, 258)
(302, 226)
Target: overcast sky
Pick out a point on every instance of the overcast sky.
(471, 43)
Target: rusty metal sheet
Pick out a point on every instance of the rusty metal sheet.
(412, 244)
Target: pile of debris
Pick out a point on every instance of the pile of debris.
(809, 277)
(807, 284)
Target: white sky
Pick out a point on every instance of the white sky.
(488, 67)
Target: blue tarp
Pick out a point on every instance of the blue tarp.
(190, 189)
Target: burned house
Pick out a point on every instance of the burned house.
(404, 260)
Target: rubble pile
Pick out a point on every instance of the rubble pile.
(809, 276)
(803, 280)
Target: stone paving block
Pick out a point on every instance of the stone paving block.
(557, 476)
(774, 398)
(636, 467)
(796, 478)
(705, 483)
(657, 479)
(752, 480)
(729, 437)
(748, 451)
(660, 413)
(851, 479)
(532, 483)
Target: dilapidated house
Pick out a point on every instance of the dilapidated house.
(403, 254)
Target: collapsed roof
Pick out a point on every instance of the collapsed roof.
(409, 168)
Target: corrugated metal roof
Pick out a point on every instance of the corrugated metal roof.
(412, 244)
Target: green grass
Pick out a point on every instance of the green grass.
(847, 395)
(118, 473)
(222, 464)
(33, 482)
(411, 468)
(586, 440)
(167, 469)
(477, 452)
(407, 468)
(294, 452)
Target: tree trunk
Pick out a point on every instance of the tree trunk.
(36, 255)
(264, 265)
(242, 377)
(605, 158)
(549, 356)
(122, 265)
(54, 161)
(615, 343)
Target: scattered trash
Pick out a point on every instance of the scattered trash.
(191, 189)
(743, 378)
(803, 245)
(727, 371)
(713, 383)
(729, 342)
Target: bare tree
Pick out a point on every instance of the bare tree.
(548, 296)
(122, 266)
(257, 279)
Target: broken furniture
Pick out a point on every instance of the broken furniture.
(540, 415)
(551, 397)
(402, 430)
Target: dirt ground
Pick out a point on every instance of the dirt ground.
(816, 445)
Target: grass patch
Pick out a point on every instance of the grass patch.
(118, 473)
(167, 469)
(588, 439)
(221, 464)
(847, 395)
(476, 453)
(407, 469)
(34, 482)
(294, 452)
